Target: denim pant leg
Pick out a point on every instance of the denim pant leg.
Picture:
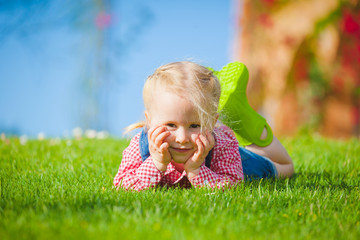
(256, 166)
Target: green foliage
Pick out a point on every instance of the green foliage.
(64, 190)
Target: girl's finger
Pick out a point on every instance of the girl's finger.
(151, 130)
(157, 130)
(204, 140)
(164, 147)
(195, 156)
(211, 139)
(160, 138)
(199, 151)
(200, 146)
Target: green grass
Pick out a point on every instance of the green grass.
(64, 190)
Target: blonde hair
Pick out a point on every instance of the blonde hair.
(191, 80)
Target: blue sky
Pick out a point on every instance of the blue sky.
(41, 74)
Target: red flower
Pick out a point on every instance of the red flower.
(349, 24)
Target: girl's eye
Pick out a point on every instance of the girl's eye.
(171, 125)
(195, 126)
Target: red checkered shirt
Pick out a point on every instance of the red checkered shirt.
(226, 168)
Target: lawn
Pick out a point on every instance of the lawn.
(63, 189)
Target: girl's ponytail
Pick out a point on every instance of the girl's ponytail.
(134, 126)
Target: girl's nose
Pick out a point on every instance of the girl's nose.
(181, 136)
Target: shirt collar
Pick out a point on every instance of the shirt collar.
(171, 170)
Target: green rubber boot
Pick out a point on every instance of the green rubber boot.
(234, 108)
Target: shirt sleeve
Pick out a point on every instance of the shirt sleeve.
(135, 174)
(226, 166)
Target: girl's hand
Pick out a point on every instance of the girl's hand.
(205, 142)
(158, 147)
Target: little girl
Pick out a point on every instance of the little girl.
(181, 144)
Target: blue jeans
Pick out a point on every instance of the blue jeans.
(256, 166)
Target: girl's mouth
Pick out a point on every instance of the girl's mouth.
(181, 150)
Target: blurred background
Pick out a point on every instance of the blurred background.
(70, 65)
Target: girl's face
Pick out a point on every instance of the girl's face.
(179, 116)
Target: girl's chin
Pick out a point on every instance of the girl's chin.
(180, 157)
(179, 160)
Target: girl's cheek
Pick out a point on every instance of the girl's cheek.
(193, 137)
(170, 138)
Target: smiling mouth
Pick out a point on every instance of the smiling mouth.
(181, 150)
